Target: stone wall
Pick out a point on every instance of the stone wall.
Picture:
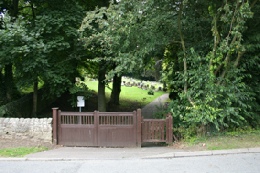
(35, 129)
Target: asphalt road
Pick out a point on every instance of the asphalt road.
(237, 163)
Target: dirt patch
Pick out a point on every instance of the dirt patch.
(185, 147)
(16, 143)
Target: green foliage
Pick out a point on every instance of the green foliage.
(220, 106)
(122, 35)
(209, 52)
(203, 44)
(44, 46)
(220, 93)
(10, 38)
(150, 92)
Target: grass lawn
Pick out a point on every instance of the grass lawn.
(130, 97)
(230, 140)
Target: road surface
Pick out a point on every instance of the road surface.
(232, 163)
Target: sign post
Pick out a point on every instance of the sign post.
(80, 102)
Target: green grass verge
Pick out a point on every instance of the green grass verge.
(21, 151)
(230, 140)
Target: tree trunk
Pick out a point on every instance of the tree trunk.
(9, 83)
(114, 98)
(183, 48)
(182, 41)
(35, 98)
(15, 9)
(101, 88)
(2, 88)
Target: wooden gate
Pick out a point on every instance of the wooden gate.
(108, 129)
(157, 130)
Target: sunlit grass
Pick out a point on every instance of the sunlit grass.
(129, 94)
(21, 151)
(223, 141)
(29, 89)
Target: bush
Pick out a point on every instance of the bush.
(213, 103)
(150, 92)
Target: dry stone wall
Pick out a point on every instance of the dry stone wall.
(35, 129)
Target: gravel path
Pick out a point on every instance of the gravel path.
(151, 108)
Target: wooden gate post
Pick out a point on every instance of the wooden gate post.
(96, 126)
(54, 125)
(169, 129)
(139, 128)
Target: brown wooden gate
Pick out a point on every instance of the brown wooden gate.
(108, 129)
(157, 130)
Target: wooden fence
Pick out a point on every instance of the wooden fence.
(109, 129)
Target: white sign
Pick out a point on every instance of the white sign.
(81, 101)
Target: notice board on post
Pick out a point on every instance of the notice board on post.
(80, 101)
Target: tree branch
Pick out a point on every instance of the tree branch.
(253, 3)
(182, 41)
(216, 40)
(239, 56)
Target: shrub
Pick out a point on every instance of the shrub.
(150, 92)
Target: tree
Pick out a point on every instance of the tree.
(121, 34)
(43, 45)
(205, 44)
(250, 62)
(214, 92)
(9, 88)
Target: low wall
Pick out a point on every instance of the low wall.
(35, 129)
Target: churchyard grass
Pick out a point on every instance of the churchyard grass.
(128, 94)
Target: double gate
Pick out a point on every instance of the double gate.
(109, 129)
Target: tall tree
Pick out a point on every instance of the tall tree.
(207, 41)
(211, 70)
(10, 90)
(42, 45)
(121, 33)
